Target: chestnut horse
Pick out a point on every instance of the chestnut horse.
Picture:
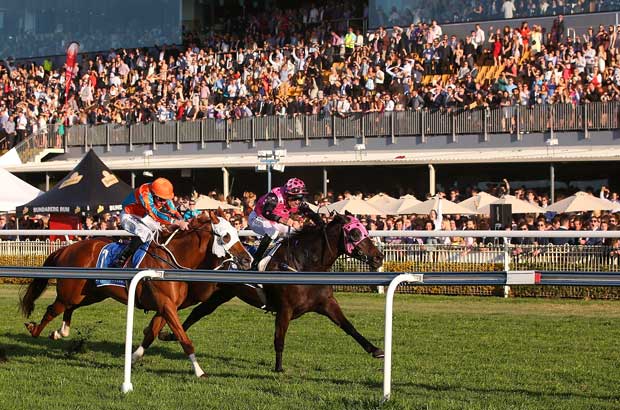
(313, 249)
(204, 244)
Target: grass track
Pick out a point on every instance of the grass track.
(449, 352)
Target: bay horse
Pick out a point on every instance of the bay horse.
(206, 242)
(313, 249)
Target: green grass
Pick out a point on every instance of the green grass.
(449, 353)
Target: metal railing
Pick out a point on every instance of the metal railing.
(515, 120)
(412, 257)
(461, 258)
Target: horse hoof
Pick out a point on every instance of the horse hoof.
(55, 335)
(31, 326)
(280, 370)
(378, 354)
(166, 336)
(204, 376)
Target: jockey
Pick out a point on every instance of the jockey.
(272, 215)
(143, 211)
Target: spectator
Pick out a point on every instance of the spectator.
(508, 8)
(563, 224)
(191, 212)
(594, 224)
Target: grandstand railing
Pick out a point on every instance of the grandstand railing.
(515, 120)
(412, 257)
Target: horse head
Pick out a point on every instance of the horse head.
(356, 242)
(226, 243)
(226, 240)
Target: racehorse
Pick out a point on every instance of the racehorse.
(205, 243)
(313, 249)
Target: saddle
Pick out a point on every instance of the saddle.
(110, 252)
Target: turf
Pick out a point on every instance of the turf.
(449, 353)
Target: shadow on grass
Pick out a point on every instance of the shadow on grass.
(483, 391)
(22, 346)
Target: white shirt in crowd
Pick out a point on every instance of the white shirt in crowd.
(508, 8)
(22, 122)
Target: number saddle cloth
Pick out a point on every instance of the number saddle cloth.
(109, 254)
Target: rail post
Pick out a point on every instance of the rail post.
(389, 303)
(422, 127)
(131, 297)
(506, 264)
(586, 133)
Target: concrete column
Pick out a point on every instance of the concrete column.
(133, 179)
(47, 181)
(225, 182)
(325, 182)
(552, 183)
(431, 179)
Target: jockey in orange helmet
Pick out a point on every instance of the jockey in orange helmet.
(272, 215)
(143, 211)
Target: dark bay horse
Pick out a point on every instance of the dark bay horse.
(205, 244)
(314, 249)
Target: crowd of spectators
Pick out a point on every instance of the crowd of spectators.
(301, 62)
(546, 221)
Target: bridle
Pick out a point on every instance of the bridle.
(351, 245)
(174, 263)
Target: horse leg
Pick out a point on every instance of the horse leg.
(65, 328)
(332, 310)
(204, 309)
(149, 336)
(283, 318)
(52, 311)
(169, 312)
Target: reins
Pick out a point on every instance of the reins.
(290, 254)
(169, 252)
(326, 238)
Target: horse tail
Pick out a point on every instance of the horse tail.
(34, 290)
(36, 287)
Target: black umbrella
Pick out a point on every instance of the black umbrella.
(90, 188)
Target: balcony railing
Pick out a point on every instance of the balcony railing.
(514, 120)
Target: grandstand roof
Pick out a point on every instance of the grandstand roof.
(352, 158)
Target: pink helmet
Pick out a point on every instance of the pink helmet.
(295, 187)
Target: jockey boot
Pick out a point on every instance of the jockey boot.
(262, 247)
(126, 253)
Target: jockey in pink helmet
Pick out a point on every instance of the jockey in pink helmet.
(273, 213)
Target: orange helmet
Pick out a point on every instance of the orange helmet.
(162, 188)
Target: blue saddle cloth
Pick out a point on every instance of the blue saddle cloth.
(273, 247)
(110, 252)
(250, 248)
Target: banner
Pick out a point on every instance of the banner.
(72, 52)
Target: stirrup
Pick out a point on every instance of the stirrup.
(262, 264)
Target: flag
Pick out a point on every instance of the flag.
(72, 52)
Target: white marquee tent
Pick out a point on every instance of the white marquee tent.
(15, 191)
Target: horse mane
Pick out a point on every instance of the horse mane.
(194, 224)
(311, 230)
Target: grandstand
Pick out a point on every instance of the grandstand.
(402, 104)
